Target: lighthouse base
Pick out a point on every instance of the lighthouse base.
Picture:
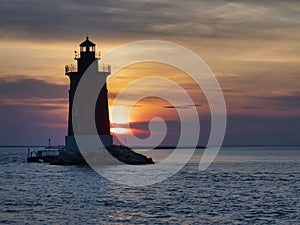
(72, 146)
(97, 152)
(87, 143)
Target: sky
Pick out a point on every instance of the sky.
(252, 47)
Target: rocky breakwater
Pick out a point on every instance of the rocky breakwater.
(121, 153)
(127, 155)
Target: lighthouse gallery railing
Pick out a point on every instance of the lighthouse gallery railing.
(102, 68)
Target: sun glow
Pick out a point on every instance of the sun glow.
(120, 130)
(119, 118)
(119, 115)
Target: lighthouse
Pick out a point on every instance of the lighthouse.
(89, 128)
(84, 59)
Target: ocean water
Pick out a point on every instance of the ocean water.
(244, 185)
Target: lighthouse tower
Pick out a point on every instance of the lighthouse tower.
(84, 59)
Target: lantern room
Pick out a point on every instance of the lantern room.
(87, 49)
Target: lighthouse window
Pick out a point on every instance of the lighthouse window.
(83, 49)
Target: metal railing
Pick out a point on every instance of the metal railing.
(70, 68)
(105, 68)
(102, 68)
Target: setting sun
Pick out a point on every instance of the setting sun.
(118, 115)
(119, 118)
(119, 130)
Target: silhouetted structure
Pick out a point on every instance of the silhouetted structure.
(72, 155)
(84, 60)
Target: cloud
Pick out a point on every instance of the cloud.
(22, 87)
(181, 106)
(32, 110)
(30, 92)
(25, 125)
(64, 20)
(220, 74)
(241, 130)
(255, 69)
(284, 102)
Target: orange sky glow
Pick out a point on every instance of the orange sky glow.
(256, 62)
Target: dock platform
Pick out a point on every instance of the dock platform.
(46, 155)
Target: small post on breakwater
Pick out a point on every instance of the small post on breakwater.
(28, 153)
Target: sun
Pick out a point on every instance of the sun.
(118, 115)
(120, 130)
(119, 118)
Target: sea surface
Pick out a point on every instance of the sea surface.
(244, 185)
